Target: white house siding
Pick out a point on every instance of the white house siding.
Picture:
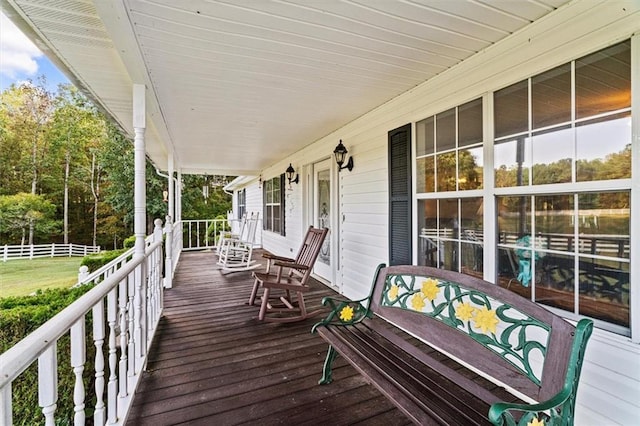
(610, 387)
(254, 204)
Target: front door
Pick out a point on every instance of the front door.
(323, 213)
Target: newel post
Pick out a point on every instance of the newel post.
(83, 273)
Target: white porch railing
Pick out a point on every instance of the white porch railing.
(195, 235)
(125, 307)
(32, 251)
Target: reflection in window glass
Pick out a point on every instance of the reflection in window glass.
(514, 218)
(552, 154)
(425, 175)
(446, 130)
(511, 109)
(555, 282)
(512, 162)
(604, 290)
(451, 234)
(603, 81)
(568, 250)
(424, 137)
(604, 221)
(428, 250)
(446, 164)
(555, 220)
(470, 163)
(551, 97)
(604, 148)
(470, 123)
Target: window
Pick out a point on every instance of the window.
(564, 242)
(242, 203)
(449, 150)
(273, 204)
(449, 160)
(451, 236)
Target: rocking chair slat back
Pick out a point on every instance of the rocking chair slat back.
(295, 281)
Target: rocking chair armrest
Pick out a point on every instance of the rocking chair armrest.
(271, 256)
(286, 285)
(291, 264)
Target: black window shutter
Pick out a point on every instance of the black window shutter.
(282, 209)
(400, 235)
(265, 220)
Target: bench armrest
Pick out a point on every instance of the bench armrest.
(532, 414)
(344, 312)
(559, 409)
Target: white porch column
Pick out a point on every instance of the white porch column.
(179, 198)
(168, 262)
(140, 193)
(140, 224)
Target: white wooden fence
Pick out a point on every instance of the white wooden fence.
(33, 251)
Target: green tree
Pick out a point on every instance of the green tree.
(24, 212)
(117, 159)
(26, 113)
(76, 127)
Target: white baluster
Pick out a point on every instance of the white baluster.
(5, 405)
(78, 358)
(98, 341)
(139, 330)
(131, 283)
(123, 366)
(112, 386)
(48, 383)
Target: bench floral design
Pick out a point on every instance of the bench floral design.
(515, 336)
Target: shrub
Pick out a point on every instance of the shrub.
(20, 316)
(216, 228)
(129, 242)
(96, 261)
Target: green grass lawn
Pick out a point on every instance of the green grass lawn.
(23, 277)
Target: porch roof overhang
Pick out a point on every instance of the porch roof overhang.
(234, 86)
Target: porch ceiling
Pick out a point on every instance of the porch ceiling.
(236, 85)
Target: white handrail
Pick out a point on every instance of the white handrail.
(132, 298)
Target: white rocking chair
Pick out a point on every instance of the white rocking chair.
(235, 253)
(230, 234)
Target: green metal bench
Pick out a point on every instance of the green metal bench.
(448, 348)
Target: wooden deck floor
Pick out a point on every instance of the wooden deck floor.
(214, 363)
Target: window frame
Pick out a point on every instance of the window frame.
(269, 202)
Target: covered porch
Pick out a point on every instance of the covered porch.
(247, 88)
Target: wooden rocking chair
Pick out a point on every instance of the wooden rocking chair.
(295, 280)
(235, 253)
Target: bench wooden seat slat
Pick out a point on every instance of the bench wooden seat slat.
(419, 382)
(441, 364)
(447, 348)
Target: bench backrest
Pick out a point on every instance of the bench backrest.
(508, 337)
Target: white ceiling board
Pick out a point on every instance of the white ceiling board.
(237, 85)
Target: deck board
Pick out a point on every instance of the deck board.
(213, 363)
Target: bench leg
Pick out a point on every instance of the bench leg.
(326, 370)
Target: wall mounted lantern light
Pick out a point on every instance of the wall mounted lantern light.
(341, 154)
(289, 173)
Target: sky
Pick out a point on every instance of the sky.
(21, 60)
